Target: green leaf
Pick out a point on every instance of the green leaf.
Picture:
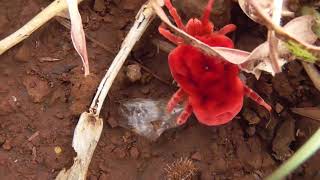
(301, 53)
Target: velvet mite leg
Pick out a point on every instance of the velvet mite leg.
(175, 99)
(207, 12)
(255, 97)
(171, 37)
(174, 14)
(183, 117)
(227, 29)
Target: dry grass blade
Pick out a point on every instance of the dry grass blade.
(280, 32)
(310, 112)
(313, 73)
(24, 32)
(273, 41)
(77, 34)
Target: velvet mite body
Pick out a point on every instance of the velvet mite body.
(211, 85)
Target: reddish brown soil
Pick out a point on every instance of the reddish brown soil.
(43, 100)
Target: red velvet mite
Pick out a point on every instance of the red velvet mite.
(212, 86)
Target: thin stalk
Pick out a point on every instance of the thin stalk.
(304, 153)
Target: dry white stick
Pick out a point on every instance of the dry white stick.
(313, 73)
(85, 140)
(89, 127)
(24, 32)
(273, 41)
(143, 19)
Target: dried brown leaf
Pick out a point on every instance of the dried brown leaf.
(310, 112)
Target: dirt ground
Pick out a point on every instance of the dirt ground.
(40, 103)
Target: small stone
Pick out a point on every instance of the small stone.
(134, 153)
(251, 130)
(99, 5)
(251, 116)
(112, 122)
(196, 156)
(23, 54)
(57, 150)
(279, 108)
(134, 72)
(7, 145)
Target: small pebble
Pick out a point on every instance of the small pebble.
(196, 156)
(279, 108)
(134, 72)
(57, 150)
(7, 146)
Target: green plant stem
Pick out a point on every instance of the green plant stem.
(304, 153)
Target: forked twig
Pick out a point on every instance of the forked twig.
(25, 31)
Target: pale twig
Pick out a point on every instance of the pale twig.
(33, 136)
(24, 32)
(313, 73)
(273, 41)
(143, 19)
(48, 59)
